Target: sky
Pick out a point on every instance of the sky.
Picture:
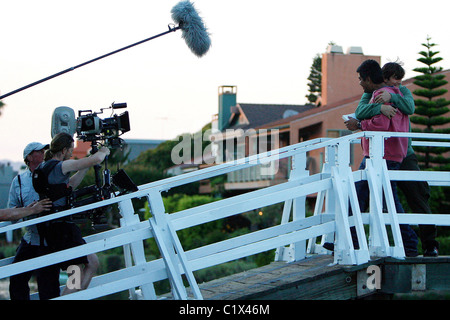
(265, 48)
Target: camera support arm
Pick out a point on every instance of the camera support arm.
(97, 169)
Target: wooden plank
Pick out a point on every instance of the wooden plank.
(438, 276)
(315, 276)
(318, 278)
(437, 273)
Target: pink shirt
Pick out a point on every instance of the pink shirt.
(394, 148)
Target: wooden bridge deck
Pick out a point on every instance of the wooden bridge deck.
(318, 278)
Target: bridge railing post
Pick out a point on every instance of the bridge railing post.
(324, 204)
(295, 251)
(171, 250)
(344, 191)
(380, 192)
(135, 250)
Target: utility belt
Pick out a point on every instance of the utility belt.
(80, 217)
(45, 228)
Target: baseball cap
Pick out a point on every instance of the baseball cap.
(33, 146)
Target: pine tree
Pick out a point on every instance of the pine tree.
(315, 80)
(431, 111)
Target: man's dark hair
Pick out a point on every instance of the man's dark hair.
(393, 69)
(371, 68)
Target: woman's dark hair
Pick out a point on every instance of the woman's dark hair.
(393, 69)
(59, 142)
(371, 68)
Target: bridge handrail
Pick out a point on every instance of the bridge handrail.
(238, 164)
(299, 185)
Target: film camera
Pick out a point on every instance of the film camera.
(91, 128)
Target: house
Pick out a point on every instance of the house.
(238, 124)
(81, 149)
(234, 136)
(136, 146)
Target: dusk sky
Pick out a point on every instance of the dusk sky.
(265, 48)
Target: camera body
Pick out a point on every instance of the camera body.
(90, 127)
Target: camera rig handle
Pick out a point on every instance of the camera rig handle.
(98, 174)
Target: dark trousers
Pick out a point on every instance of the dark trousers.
(417, 194)
(409, 237)
(47, 277)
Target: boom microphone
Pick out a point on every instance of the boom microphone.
(183, 13)
(194, 31)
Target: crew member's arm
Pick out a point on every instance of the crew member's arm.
(76, 179)
(85, 163)
(82, 166)
(19, 213)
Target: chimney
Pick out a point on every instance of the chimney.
(339, 77)
(227, 99)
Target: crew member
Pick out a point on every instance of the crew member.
(63, 233)
(22, 202)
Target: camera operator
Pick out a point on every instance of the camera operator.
(22, 202)
(62, 233)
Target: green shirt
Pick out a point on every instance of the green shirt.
(366, 110)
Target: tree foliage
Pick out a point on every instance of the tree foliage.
(431, 109)
(315, 80)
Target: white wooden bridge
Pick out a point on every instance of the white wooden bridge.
(297, 238)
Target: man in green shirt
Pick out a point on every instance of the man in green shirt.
(417, 193)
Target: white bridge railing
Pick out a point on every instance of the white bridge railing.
(294, 238)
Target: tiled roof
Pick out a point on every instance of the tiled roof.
(260, 114)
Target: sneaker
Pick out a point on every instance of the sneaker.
(431, 252)
(330, 246)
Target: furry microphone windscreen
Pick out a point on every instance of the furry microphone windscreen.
(194, 31)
